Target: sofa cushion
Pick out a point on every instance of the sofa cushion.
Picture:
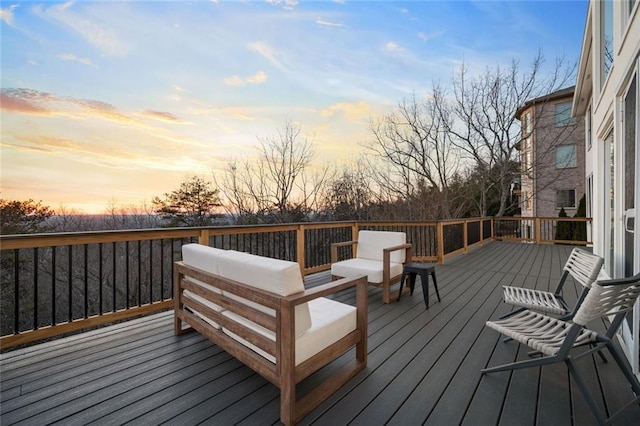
(371, 268)
(372, 243)
(202, 257)
(330, 322)
(205, 258)
(276, 276)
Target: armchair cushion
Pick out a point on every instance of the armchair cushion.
(372, 243)
(371, 268)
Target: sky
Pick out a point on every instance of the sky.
(111, 103)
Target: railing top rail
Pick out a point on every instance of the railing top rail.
(8, 242)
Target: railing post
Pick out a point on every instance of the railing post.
(465, 237)
(355, 226)
(538, 230)
(440, 241)
(300, 253)
(493, 231)
(204, 237)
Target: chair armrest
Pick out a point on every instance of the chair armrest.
(386, 253)
(396, 248)
(334, 249)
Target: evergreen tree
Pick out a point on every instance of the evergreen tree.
(563, 229)
(193, 204)
(580, 232)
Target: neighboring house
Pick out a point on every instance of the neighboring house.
(551, 156)
(607, 96)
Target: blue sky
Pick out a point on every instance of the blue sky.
(115, 102)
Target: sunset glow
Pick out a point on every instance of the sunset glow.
(114, 102)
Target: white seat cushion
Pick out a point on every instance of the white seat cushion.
(273, 275)
(204, 258)
(372, 243)
(330, 322)
(371, 268)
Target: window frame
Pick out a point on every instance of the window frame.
(558, 206)
(573, 163)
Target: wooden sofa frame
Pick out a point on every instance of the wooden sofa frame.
(387, 279)
(284, 373)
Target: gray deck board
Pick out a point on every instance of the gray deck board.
(424, 365)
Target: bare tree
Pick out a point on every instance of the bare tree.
(349, 195)
(278, 186)
(485, 126)
(414, 144)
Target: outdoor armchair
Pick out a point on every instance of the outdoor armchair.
(556, 339)
(582, 265)
(380, 255)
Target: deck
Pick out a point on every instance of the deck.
(424, 365)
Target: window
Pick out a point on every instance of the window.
(526, 124)
(606, 42)
(565, 156)
(563, 114)
(565, 198)
(589, 196)
(588, 128)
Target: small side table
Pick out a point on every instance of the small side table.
(424, 270)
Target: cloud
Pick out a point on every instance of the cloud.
(324, 23)
(287, 4)
(6, 15)
(426, 37)
(393, 47)
(28, 101)
(98, 35)
(352, 111)
(72, 57)
(258, 78)
(234, 80)
(266, 51)
(162, 116)
(24, 101)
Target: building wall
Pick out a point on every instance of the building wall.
(542, 177)
(598, 99)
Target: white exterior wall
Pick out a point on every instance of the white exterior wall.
(606, 101)
(605, 106)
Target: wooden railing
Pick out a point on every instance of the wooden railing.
(54, 284)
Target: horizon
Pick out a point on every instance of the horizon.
(100, 111)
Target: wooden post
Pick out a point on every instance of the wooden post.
(354, 237)
(481, 232)
(538, 230)
(465, 236)
(440, 242)
(300, 253)
(204, 237)
(493, 231)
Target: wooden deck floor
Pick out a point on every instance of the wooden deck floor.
(424, 365)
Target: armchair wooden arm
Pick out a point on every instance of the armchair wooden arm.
(334, 249)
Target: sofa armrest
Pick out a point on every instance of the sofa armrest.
(334, 249)
(327, 289)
